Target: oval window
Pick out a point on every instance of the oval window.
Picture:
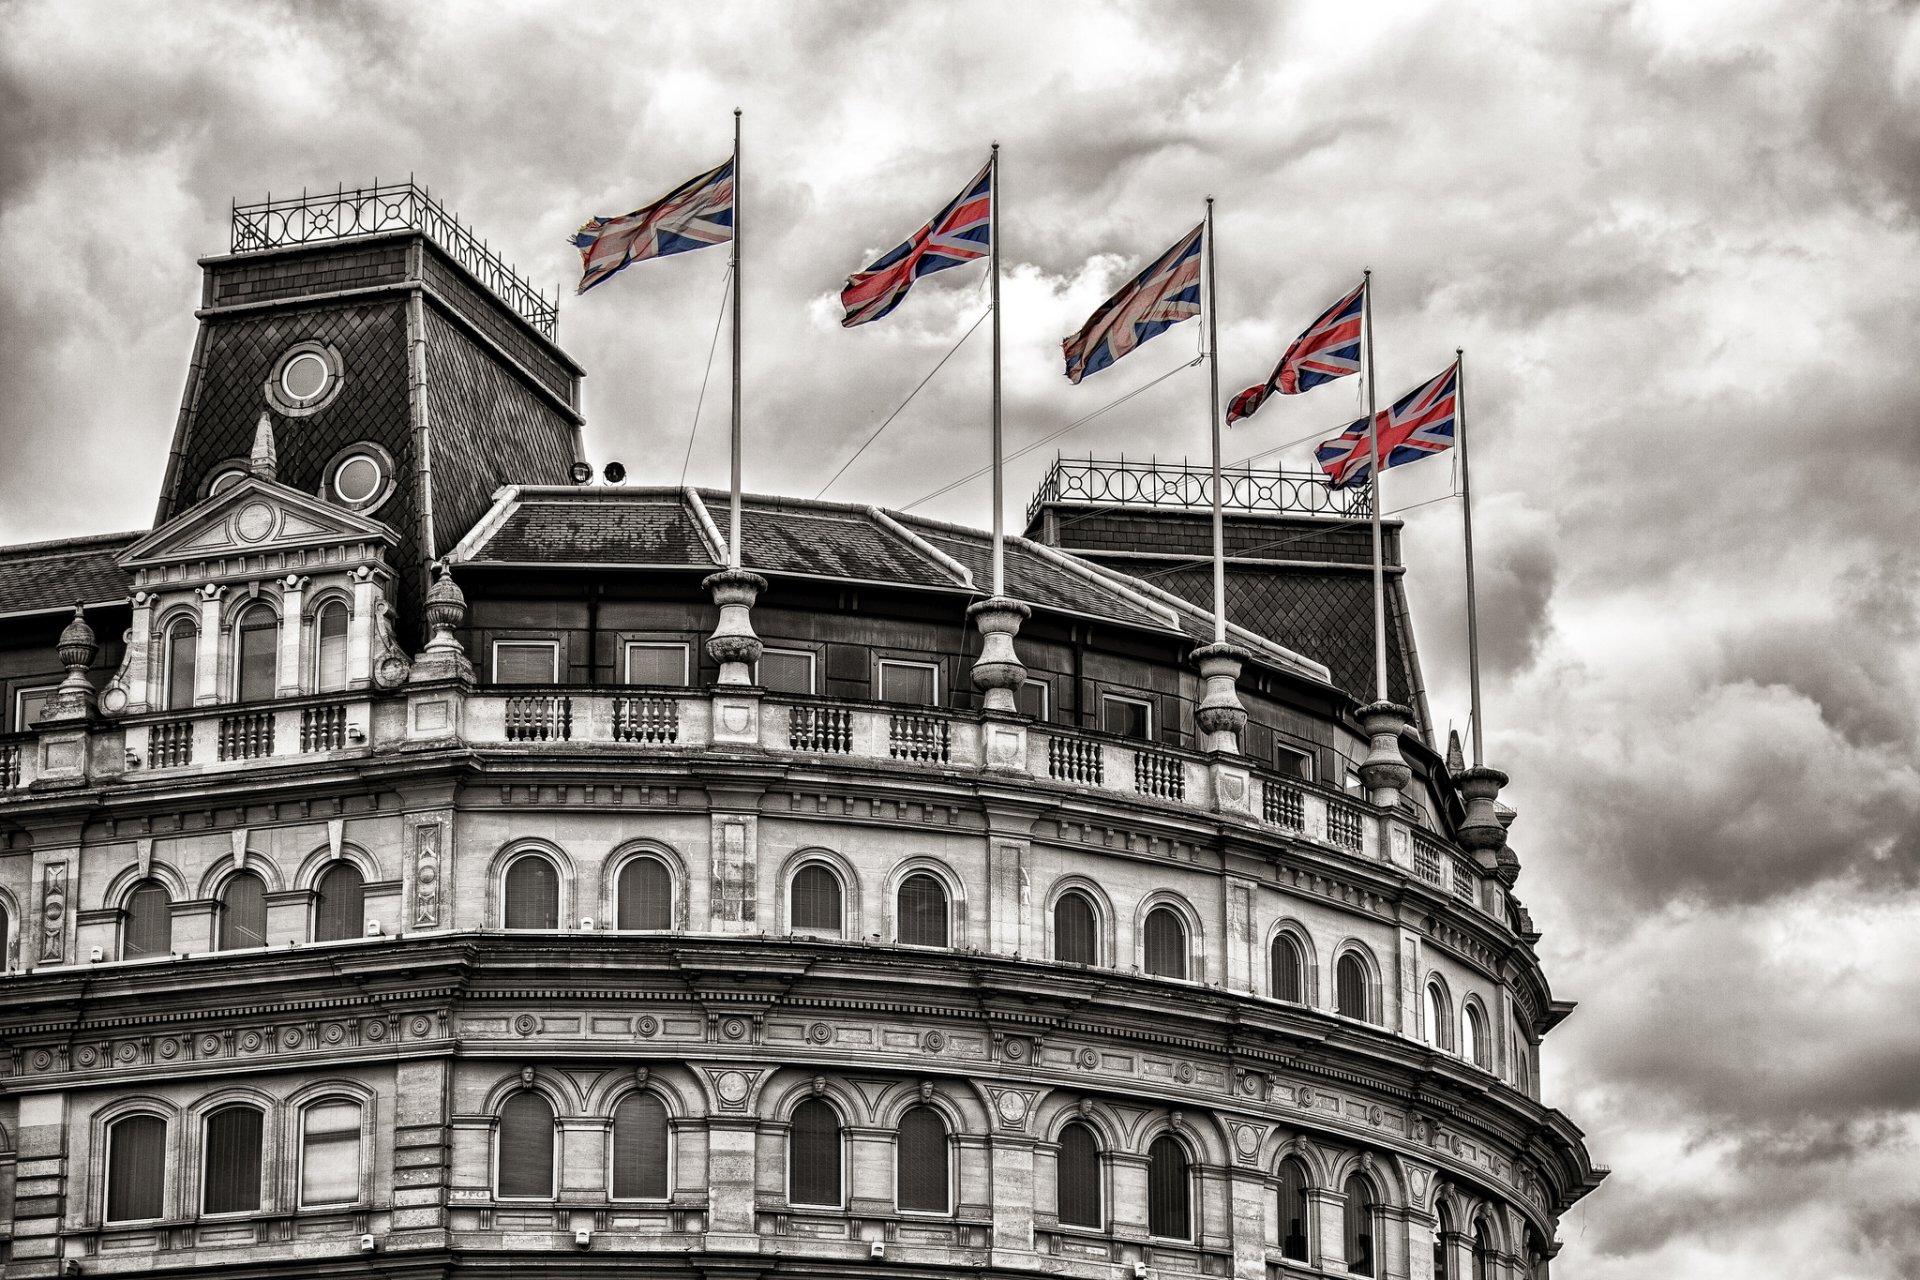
(304, 376)
(357, 479)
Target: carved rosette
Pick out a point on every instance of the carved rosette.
(998, 672)
(73, 700)
(444, 658)
(1481, 829)
(1220, 715)
(733, 644)
(1385, 771)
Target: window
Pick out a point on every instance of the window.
(1079, 1177)
(243, 912)
(330, 1153)
(183, 652)
(1353, 784)
(921, 1155)
(923, 911)
(1439, 1018)
(1288, 969)
(645, 894)
(1352, 988)
(640, 1151)
(1166, 944)
(136, 1168)
(1292, 762)
(525, 1148)
(1442, 1266)
(813, 1155)
(224, 479)
(230, 1161)
(532, 891)
(815, 904)
(1075, 930)
(1169, 1190)
(1474, 1028)
(148, 927)
(912, 683)
(649, 663)
(254, 643)
(526, 661)
(339, 904)
(1357, 1218)
(1520, 1065)
(1033, 698)
(29, 704)
(1126, 717)
(330, 648)
(1294, 1211)
(1482, 1250)
(785, 671)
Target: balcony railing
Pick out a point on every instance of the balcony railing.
(1181, 484)
(1284, 805)
(1076, 760)
(1156, 773)
(539, 718)
(1345, 827)
(323, 728)
(10, 754)
(1428, 856)
(1466, 879)
(911, 736)
(170, 744)
(646, 718)
(247, 735)
(827, 730)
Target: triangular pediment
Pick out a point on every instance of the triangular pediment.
(254, 517)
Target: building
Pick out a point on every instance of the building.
(415, 863)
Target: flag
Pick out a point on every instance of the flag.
(957, 235)
(1329, 349)
(695, 214)
(1160, 297)
(1418, 424)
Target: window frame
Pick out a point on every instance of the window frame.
(20, 722)
(326, 872)
(1045, 686)
(223, 911)
(361, 1189)
(327, 606)
(1053, 926)
(126, 918)
(1192, 1200)
(1187, 935)
(1290, 938)
(239, 628)
(1368, 1226)
(1306, 1215)
(840, 881)
(627, 864)
(1101, 1207)
(1371, 998)
(1128, 699)
(950, 1150)
(841, 1162)
(262, 1203)
(1478, 1054)
(813, 670)
(880, 680)
(1436, 1015)
(626, 663)
(1282, 749)
(899, 916)
(673, 1149)
(493, 661)
(553, 1151)
(106, 1166)
(165, 702)
(559, 892)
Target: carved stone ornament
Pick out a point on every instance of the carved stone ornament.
(1086, 1107)
(444, 658)
(526, 1076)
(1385, 771)
(998, 672)
(390, 665)
(115, 697)
(73, 700)
(53, 914)
(926, 1091)
(818, 1085)
(733, 644)
(1220, 715)
(426, 876)
(640, 1077)
(1481, 829)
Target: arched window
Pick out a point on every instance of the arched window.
(1169, 1190)
(1078, 1178)
(1482, 1250)
(1474, 1028)
(640, 1148)
(921, 1168)
(1294, 1212)
(255, 642)
(816, 903)
(148, 928)
(330, 647)
(1442, 1249)
(243, 912)
(330, 1153)
(1166, 943)
(183, 652)
(923, 911)
(136, 1168)
(1288, 965)
(813, 1154)
(1353, 987)
(1357, 1217)
(1439, 1019)
(1521, 1075)
(1075, 936)
(230, 1161)
(525, 1155)
(339, 903)
(532, 892)
(645, 894)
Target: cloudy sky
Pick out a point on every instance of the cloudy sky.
(1678, 242)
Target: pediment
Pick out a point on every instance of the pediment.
(254, 517)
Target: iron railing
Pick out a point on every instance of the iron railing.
(1181, 484)
(316, 217)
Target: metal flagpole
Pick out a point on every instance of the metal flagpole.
(1466, 517)
(1213, 420)
(1373, 434)
(733, 510)
(993, 274)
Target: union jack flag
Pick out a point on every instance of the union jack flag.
(695, 214)
(1419, 423)
(1160, 297)
(1329, 349)
(957, 235)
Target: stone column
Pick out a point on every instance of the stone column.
(40, 1185)
(1013, 1194)
(1385, 770)
(731, 1224)
(206, 665)
(140, 675)
(360, 628)
(293, 590)
(1251, 1200)
(1329, 1232)
(421, 1154)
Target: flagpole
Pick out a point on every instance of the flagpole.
(1213, 421)
(993, 274)
(1379, 564)
(733, 509)
(1466, 517)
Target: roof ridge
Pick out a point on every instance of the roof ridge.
(60, 544)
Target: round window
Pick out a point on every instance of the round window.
(304, 380)
(360, 477)
(225, 480)
(357, 479)
(304, 376)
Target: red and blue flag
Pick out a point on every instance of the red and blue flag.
(1419, 423)
(695, 214)
(1329, 349)
(957, 235)
(1160, 297)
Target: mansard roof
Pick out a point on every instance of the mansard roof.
(42, 577)
(661, 527)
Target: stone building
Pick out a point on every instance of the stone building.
(416, 863)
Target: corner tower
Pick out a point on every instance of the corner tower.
(409, 371)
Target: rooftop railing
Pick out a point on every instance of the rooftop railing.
(317, 217)
(1182, 484)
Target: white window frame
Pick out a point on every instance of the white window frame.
(1046, 696)
(20, 724)
(330, 603)
(813, 667)
(1130, 700)
(267, 1154)
(673, 1150)
(238, 676)
(300, 1140)
(686, 659)
(106, 1166)
(880, 680)
(1284, 748)
(551, 646)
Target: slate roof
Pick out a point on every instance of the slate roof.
(39, 576)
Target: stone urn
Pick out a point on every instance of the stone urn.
(1220, 715)
(998, 672)
(733, 644)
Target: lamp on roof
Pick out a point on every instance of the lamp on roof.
(581, 472)
(615, 473)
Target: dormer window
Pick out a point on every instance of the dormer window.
(256, 639)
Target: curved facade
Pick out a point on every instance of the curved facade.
(553, 931)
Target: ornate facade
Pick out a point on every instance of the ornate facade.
(414, 863)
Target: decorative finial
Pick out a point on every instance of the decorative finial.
(264, 463)
(1456, 759)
